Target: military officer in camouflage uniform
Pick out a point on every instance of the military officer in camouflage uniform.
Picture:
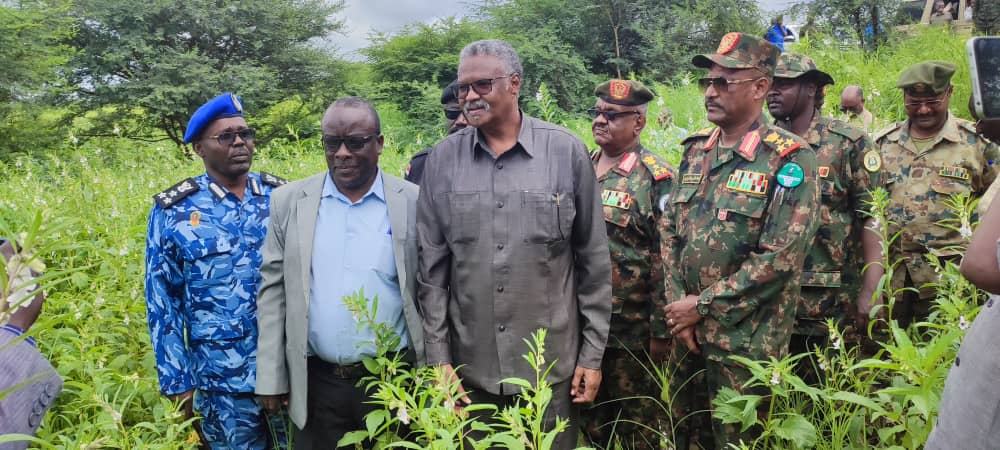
(203, 255)
(927, 159)
(831, 278)
(735, 231)
(634, 181)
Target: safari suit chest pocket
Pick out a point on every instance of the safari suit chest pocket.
(464, 212)
(546, 216)
(739, 218)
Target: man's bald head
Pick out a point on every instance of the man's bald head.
(852, 100)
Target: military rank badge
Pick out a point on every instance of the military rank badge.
(195, 218)
(790, 175)
(748, 182)
(873, 162)
(960, 173)
(691, 178)
(616, 199)
(824, 171)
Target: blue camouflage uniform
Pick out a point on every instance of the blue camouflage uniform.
(203, 255)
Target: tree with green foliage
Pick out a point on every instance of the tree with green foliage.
(147, 65)
(868, 21)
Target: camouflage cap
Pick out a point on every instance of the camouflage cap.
(624, 92)
(792, 65)
(928, 78)
(741, 51)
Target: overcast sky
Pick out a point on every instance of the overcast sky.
(361, 17)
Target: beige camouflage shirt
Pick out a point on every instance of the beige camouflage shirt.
(958, 161)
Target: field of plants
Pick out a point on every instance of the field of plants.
(84, 204)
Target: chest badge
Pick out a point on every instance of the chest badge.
(873, 162)
(748, 182)
(195, 218)
(824, 171)
(960, 173)
(691, 178)
(790, 175)
(616, 199)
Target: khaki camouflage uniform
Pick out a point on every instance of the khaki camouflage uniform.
(632, 193)
(958, 161)
(736, 238)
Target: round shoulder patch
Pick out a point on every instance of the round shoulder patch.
(790, 175)
(873, 161)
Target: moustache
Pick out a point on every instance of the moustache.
(478, 104)
(713, 104)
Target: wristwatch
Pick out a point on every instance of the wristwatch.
(702, 306)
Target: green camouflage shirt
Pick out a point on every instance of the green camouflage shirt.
(831, 276)
(735, 233)
(958, 161)
(631, 193)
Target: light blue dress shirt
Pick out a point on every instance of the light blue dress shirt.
(352, 249)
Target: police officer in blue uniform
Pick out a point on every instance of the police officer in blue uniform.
(203, 255)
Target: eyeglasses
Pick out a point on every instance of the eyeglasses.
(482, 87)
(353, 143)
(610, 116)
(452, 113)
(721, 84)
(921, 103)
(229, 137)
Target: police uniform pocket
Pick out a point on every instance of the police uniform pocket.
(223, 349)
(209, 262)
(546, 216)
(950, 186)
(465, 222)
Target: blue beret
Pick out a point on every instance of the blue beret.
(225, 105)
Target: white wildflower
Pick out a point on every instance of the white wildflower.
(538, 96)
(449, 404)
(965, 231)
(403, 415)
(822, 365)
(99, 301)
(74, 139)
(123, 251)
(775, 378)
(659, 101)
(83, 160)
(126, 320)
(116, 416)
(836, 343)
(117, 130)
(78, 315)
(963, 324)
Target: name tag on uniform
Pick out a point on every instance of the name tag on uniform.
(954, 172)
(616, 199)
(691, 178)
(748, 182)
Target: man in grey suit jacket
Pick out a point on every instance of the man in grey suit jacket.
(331, 235)
(32, 381)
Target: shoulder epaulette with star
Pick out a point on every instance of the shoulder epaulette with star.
(272, 180)
(703, 133)
(885, 131)
(176, 193)
(656, 165)
(968, 126)
(783, 145)
(845, 129)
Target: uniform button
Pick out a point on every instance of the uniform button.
(989, 303)
(499, 246)
(499, 204)
(502, 328)
(958, 362)
(499, 166)
(500, 288)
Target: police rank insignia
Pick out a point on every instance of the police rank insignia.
(824, 171)
(619, 89)
(272, 180)
(728, 43)
(195, 218)
(873, 162)
(748, 182)
(176, 193)
(790, 175)
(616, 199)
(691, 178)
(960, 173)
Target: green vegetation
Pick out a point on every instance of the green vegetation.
(74, 181)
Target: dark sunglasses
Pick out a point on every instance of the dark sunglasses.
(353, 143)
(721, 84)
(229, 137)
(853, 110)
(482, 87)
(610, 116)
(452, 113)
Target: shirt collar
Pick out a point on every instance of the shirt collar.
(948, 132)
(220, 192)
(377, 189)
(523, 136)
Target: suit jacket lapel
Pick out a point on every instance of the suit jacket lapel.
(395, 202)
(306, 213)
